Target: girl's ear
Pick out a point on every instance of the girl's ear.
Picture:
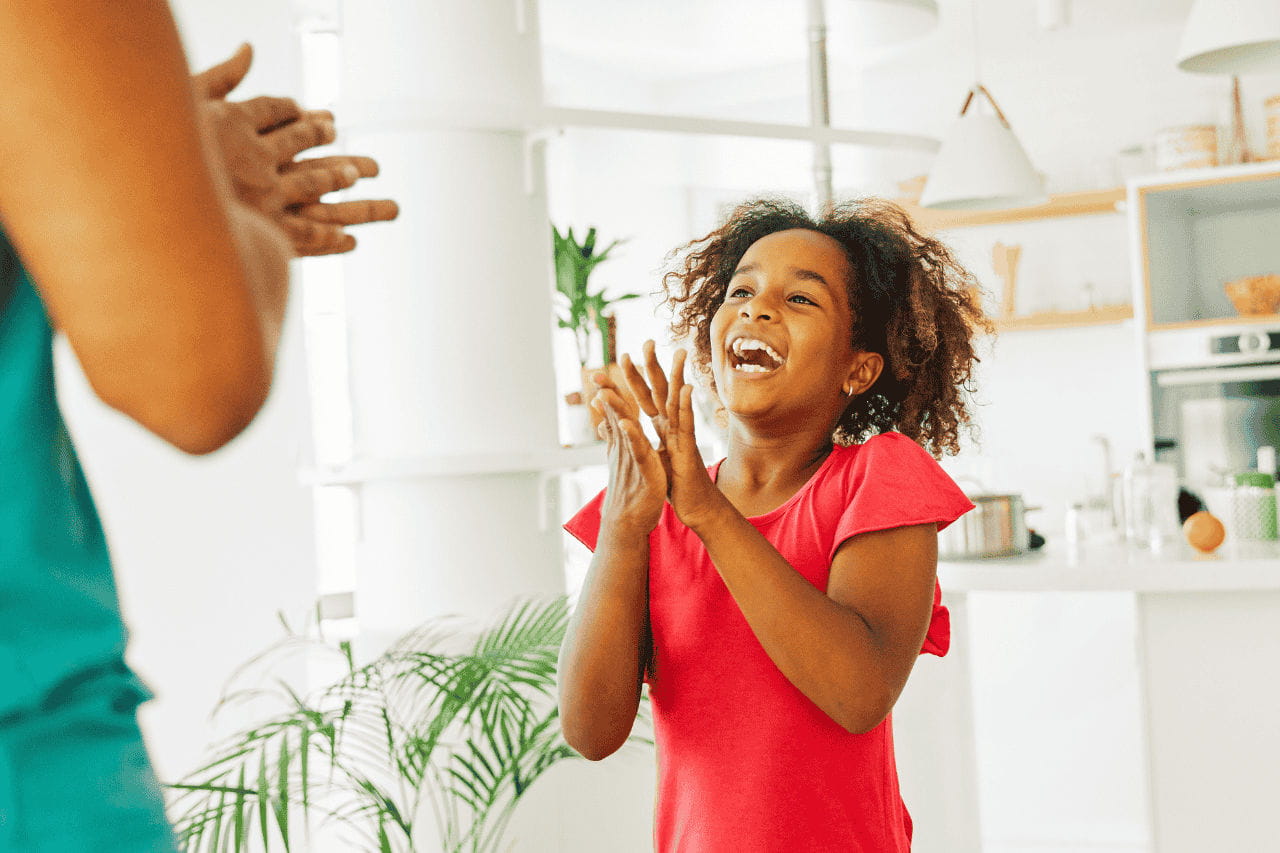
(863, 373)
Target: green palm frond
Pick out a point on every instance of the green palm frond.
(468, 732)
(581, 310)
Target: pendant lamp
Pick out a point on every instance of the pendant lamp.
(1231, 37)
(981, 165)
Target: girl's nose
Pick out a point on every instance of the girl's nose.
(756, 308)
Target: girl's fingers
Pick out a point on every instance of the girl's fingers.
(616, 401)
(656, 378)
(680, 433)
(677, 377)
(622, 402)
(602, 428)
(639, 388)
(600, 379)
(647, 464)
(608, 418)
(686, 412)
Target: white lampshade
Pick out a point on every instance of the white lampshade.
(1231, 37)
(855, 28)
(981, 166)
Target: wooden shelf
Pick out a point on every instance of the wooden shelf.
(1100, 316)
(1066, 204)
(1238, 320)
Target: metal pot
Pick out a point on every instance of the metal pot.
(996, 527)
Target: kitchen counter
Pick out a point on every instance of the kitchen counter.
(1114, 568)
(1207, 636)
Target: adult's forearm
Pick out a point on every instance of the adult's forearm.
(822, 647)
(606, 646)
(266, 252)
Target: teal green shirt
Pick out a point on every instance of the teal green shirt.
(59, 616)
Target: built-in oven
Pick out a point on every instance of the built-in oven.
(1215, 395)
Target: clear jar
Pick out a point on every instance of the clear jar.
(1151, 506)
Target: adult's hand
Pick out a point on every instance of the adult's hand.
(259, 140)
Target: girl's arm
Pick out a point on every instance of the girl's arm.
(606, 646)
(170, 291)
(849, 649)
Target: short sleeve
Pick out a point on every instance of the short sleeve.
(896, 483)
(585, 524)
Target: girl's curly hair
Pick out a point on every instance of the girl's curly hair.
(911, 301)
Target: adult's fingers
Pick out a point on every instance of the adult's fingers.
(352, 212)
(315, 238)
(367, 167)
(292, 139)
(220, 79)
(306, 186)
(267, 112)
(644, 396)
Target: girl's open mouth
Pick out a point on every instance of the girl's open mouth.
(749, 355)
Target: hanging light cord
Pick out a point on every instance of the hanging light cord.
(973, 30)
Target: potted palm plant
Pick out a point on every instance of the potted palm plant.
(588, 315)
(360, 761)
(582, 311)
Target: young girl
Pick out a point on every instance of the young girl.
(776, 601)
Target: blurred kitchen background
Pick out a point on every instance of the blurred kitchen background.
(423, 440)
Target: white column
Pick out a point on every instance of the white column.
(450, 308)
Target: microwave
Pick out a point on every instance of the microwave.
(1215, 398)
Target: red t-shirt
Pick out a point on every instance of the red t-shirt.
(747, 763)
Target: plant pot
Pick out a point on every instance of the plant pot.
(578, 423)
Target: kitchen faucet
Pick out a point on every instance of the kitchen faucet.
(1103, 498)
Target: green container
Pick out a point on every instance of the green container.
(1254, 503)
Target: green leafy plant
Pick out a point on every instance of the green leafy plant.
(466, 732)
(581, 310)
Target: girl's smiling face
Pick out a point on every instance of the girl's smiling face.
(781, 342)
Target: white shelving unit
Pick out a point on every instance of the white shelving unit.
(456, 465)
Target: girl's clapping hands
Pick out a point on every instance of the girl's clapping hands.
(668, 401)
(637, 481)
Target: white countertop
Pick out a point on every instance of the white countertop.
(1106, 567)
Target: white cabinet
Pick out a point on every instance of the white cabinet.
(1194, 231)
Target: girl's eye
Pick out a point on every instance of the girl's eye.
(804, 299)
(736, 292)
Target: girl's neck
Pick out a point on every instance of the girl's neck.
(757, 461)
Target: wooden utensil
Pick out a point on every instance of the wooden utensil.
(1005, 261)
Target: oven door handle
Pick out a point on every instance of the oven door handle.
(1219, 375)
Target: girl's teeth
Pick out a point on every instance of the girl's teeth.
(750, 368)
(743, 344)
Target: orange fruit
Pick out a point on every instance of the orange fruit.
(1204, 532)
